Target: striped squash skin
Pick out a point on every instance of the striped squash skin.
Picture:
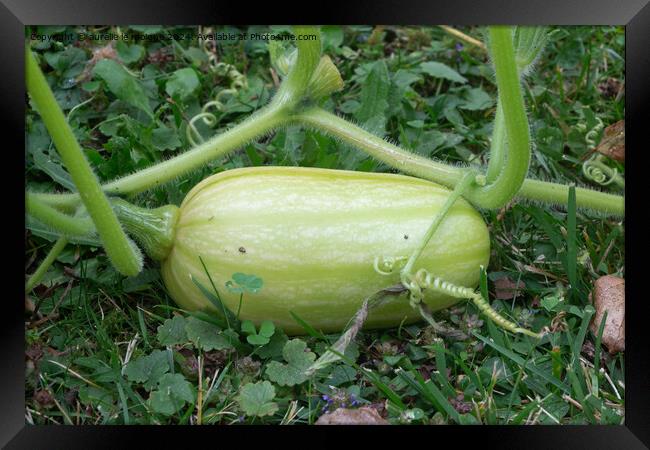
(312, 236)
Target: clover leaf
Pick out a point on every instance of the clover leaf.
(242, 282)
(298, 361)
(262, 337)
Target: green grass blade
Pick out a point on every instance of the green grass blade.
(520, 361)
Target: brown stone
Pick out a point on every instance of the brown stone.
(344, 416)
(609, 295)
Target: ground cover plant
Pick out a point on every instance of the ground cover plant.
(105, 348)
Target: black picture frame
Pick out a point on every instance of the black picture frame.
(633, 14)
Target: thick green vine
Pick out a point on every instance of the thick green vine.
(124, 255)
(310, 78)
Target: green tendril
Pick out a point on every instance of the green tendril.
(423, 280)
(596, 170)
(461, 187)
(388, 264)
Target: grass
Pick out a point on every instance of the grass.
(103, 349)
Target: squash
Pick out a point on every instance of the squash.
(312, 235)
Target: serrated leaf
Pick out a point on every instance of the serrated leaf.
(172, 331)
(440, 70)
(55, 170)
(476, 99)
(173, 392)
(176, 386)
(405, 78)
(69, 63)
(149, 369)
(96, 397)
(182, 83)
(37, 137)
(129, 53)
(374, 98)
(255, 399)
(206, 335)
(164, 138)
(161, 403)
(341, 374)
(122, 84)
(298, 361)
(332, 36)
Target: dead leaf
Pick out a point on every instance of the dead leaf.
(34, 352)
(105, 52)
(344, 416)
(610, 87)
(44, 399)
(460, 404)
(612, 144)
(609, 295)
(506, 289)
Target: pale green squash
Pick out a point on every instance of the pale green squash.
(312, 236)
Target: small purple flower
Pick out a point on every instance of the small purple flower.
(459, 46)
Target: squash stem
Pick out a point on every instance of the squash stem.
(153, 229)
(497, 146)
(461, 187)
(62, 223)
(41, 270)
(512, 175)
(275, 116)
(123, 254)
(308, 75)
(320, 120)
(295, 87)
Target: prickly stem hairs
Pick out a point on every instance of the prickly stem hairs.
(310, 78)
(529, 44)
(124, 255)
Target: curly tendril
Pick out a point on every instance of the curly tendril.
(596, 170)
(592, 135)
(423, 280)
(207, 117)
(237, 81)
(387, 264)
